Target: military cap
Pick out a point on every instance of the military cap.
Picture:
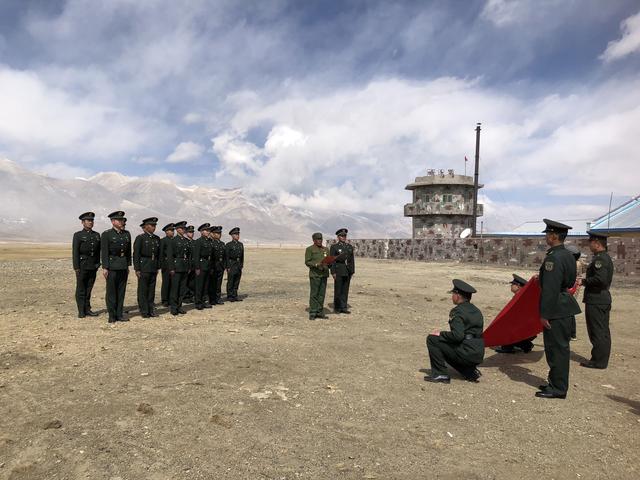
(191, 228)
(234, 231)
(87, 216)
(462, 287)
(575, 251)
(518, 280)
(181, 224)
(593, 235)
(316, 236)
(204, 226)
(216, 229)
(342, 232)
(149, 221)
(118, 215)
(168, 226)
(555, 227)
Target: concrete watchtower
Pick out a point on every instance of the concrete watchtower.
(442, 204)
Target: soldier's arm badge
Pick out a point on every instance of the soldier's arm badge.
(548, 266)
(598, 264)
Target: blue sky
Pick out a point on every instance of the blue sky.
(331, 105)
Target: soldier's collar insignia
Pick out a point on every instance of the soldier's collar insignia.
(598, 264)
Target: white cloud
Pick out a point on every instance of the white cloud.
(192, 118)
(629, 42)
(63, 170)
(186, 152)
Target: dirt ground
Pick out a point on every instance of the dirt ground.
(254, 390)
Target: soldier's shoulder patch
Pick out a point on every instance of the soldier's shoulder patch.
(598, 264)
(548, 266)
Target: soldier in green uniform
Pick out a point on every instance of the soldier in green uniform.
(597, 300)
(85, 251)
(165, 291)
(235, 261)
(318, 274)
(557, 307)
(179, 258)
(202, 251)
(191, 277)
(462, 346)
(219, 265)
(146, 262)
(115, 246)
(342, 270)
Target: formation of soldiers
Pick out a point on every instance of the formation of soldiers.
(196, 268)
(191, 269)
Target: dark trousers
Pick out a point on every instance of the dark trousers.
(599, 335)
(573, 327)
(341, 293)
(317, 290)
(441, 353)
(233, 282)
(165, 291)
(178, 290)
(191, 285)
(202, 287)
(557, 352)
(84, 284)
(116, 290)
(215, 286)
(146, 292)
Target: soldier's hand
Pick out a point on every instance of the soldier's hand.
(545, 323)
(579, 282)
(105, 273)
(436, 333)
(197, 272)
(138, 274)
(333, 275)
(77, 271)
(172, 272)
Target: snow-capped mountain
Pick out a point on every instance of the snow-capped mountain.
(35, 207)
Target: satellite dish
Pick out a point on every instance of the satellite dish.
(465, 233)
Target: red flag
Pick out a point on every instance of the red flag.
(518, 320)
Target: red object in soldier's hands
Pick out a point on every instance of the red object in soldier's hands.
(328, 260)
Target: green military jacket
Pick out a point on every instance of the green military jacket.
(179, 254)
(115, 248)
(202, 253)
(557, 275)
(598, 280)
(219, 255)
(85, 250)
(235, 255)
(313, 257)
(345, 262)
(164, 259)
(465, 332)
(146, 253)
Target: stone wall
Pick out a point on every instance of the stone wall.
(525, 252)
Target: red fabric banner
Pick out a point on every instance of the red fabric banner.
(518, 320)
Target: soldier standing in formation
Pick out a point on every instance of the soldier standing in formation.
(235, 261)
(597, 300)
(318, 274)
(202, 250)
(115, 246)
(146, 262)
(191, 277)
(462, 346)
(179, 258)
(86, 261)
(342, 270)
(165, 291)
(557, 307)
(219, 264)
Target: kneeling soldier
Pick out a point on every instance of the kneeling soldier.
(146, 262)
(462, 347)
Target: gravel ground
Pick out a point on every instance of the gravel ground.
(255, 390)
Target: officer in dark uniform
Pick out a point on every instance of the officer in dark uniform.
(219, 256)
(557, 306)
(597, 300)
(191, 277)
(179, 258)
(86, 261)
(202, 260)
(525, 345)
(462, 346)
(165, 291)
(115, 246)
(342, 270)
(146, 262)
(235, 261)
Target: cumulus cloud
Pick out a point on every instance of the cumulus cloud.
(627, 44)
(186, 152)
